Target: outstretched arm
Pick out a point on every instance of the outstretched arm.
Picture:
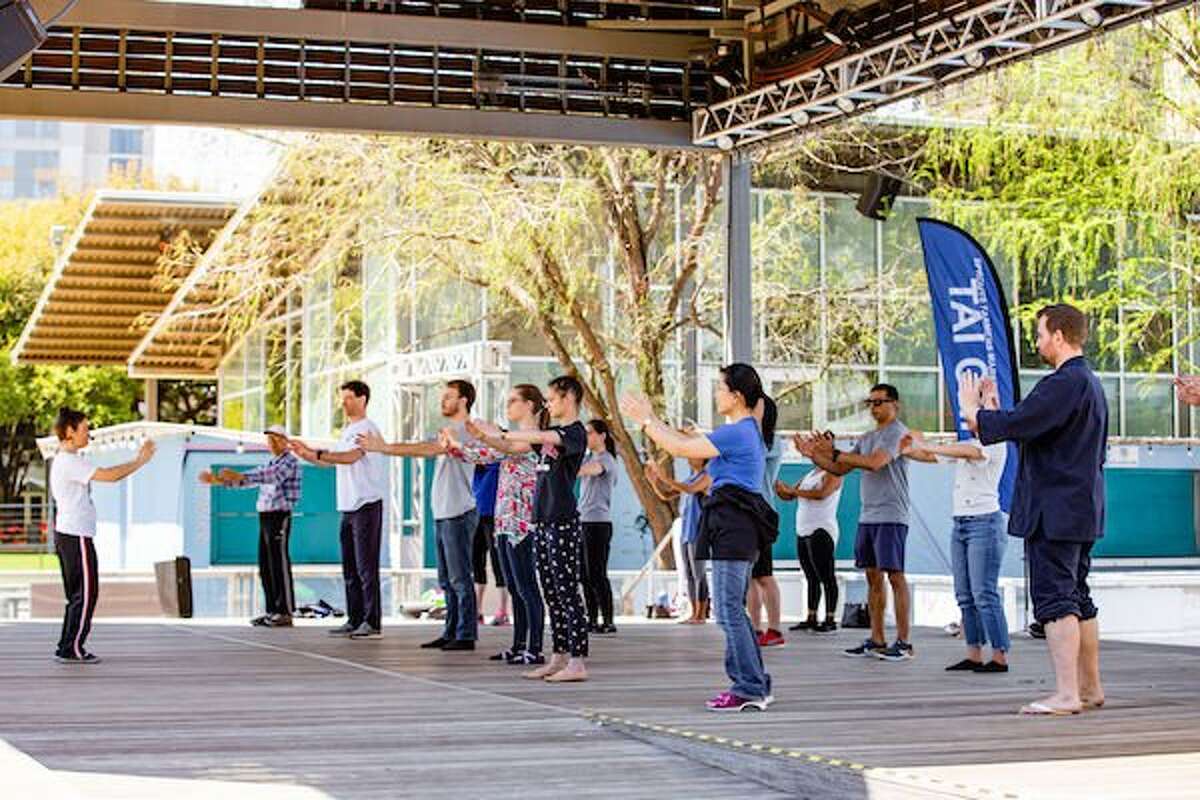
(640, 410)
(121, 471)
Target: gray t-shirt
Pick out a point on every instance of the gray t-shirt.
(595, 496)
(452, 495)
(884, 492)
(771, 472)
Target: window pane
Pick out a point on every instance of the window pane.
(853, 330)
(1148, 343)
(787, 278)
(795, 403)
(849, 246)
(908, 315)
(845, 391)
(1148, 407)
(918, 398)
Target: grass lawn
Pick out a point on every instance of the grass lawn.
(28, 561)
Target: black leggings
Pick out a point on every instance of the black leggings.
(816, 559)
(597, 537)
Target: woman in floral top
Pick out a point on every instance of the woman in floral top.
(514, 515)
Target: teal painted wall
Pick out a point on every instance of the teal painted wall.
(1149, 514)
(315, 522)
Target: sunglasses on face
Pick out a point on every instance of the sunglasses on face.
(875, 402)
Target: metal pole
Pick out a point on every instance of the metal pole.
(739, 307)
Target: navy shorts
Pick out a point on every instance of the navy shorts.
(1058, 573)
(880, 545)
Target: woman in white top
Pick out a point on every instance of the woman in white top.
(818, 494)
(71, 477)
(977, 544)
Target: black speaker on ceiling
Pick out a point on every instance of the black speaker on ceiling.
(878, 195)
(21, 31)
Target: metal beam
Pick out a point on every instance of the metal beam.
(343, 117)
(140, 15)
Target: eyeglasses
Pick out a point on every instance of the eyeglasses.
(875, 402)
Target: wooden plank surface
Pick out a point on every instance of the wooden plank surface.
(384, 718)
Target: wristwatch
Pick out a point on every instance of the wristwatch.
(836, 453)
(319, 452)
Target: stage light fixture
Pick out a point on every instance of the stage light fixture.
(21, 32)
(975, 59)
(800, 117)
(837, 28)
(1091, 17)
(725, 142)
(846, 105)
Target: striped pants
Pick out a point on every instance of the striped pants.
(81, 585)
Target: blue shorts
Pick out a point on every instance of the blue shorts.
(880, 545)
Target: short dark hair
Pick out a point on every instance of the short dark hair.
(67, 419)
(465, 389)
(359, 388)
(769, 420)
(743, 379)
(1068, 319)
(568, 384)
(891, 391)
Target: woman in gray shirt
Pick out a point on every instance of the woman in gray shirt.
(597, 476)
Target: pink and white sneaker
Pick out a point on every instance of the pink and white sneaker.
(728, 701)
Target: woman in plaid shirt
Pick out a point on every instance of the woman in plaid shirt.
(514, 514)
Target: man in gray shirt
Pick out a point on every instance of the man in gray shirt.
(883, 521)
(454, 517)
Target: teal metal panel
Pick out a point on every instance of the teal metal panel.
(1150, 513)
(315, 522)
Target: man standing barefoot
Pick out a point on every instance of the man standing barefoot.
(1058, 508)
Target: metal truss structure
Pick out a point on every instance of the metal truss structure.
(386, 66)
(476, 359)
(938, 44)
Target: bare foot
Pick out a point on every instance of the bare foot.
(1092, 699)
(568, 675)
(552, 666)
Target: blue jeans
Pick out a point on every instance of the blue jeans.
(520, 573)
(976, 551)
(743, 658)
(455, 540)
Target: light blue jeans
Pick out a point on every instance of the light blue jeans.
(976, 551)
(743, 658)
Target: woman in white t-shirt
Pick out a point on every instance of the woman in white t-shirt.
(71, 477)
(977, 544)
(818, 494)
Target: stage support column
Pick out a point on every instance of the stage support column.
(739, 307)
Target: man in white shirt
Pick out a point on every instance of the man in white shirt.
(71, 477)
(361, 483)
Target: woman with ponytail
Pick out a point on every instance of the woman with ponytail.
(514, 515)
(598, 476)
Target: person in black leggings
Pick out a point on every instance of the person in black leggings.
(818, 495)
(597, 477)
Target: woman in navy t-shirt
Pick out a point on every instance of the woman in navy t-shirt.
(736, 521)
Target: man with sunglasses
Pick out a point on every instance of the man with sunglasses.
(883, 522)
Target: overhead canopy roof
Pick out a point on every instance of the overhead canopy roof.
(107, 287)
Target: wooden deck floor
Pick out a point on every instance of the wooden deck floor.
(385, 719)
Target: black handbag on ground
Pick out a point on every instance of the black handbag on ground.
(855, 615)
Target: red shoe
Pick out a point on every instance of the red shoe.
(771, 638)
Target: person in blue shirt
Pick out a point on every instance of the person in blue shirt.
(694, 487)
(737, 522)
(483, 486)
(1058, 505)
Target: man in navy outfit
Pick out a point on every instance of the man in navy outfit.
(1058, 507)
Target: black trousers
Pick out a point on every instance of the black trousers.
(274, 562)
(816, 559)
(483, 546)
(597, 591)
(362, 535)
(81, 586)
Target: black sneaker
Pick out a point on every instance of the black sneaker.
(366, 631)
(899, 651)
(436, 644)
(260, 620)
(345, 629)
(460, 644)
(865, 650)
(991, 666)
(527, 658)
(805, 625)
(605, 629)
(278, 621)
(826, 628)
(966, 665)
(503, 655)
(1037, 630)
(88, 658)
